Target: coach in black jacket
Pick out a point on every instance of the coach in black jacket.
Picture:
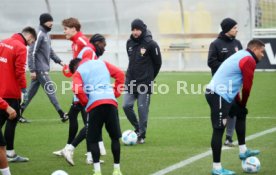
(144, 65)
(223, 47)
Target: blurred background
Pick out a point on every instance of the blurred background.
(183, 28)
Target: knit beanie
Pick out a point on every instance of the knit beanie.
(227, 24)
(45, 17)
(138, 24)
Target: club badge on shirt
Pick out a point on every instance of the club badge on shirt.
(143, 51)
(236, 49)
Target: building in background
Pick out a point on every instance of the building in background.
(184, 28)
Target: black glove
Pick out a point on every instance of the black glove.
(242, 112)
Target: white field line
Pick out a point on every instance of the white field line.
(207, 153)
(160, 118)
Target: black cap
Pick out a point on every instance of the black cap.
(138, 24)
(45, 17)
(227, 24)
(96, 37)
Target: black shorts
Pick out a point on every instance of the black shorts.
(104, 114)
(219, 109)
(15, 104)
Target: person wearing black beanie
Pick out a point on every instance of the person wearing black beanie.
(138, 24)
(40, 54)
(227, 24)
(45, 17)
(225, 45)
(144, 64)
(46, 21)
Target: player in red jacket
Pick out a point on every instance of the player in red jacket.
(72, 32)
(13, 53)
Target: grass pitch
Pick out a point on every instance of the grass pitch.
(179, 128)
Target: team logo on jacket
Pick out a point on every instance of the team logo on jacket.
(224, 50)
(143, 51)
(236, 49)
(130, 49)
(4, 60)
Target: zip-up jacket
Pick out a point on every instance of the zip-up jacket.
(79, 42)
(13, 55)
(220, 49)
(144, 61)
(41, 52)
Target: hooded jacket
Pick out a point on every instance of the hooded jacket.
(41, 52)
(220, 49)
(144, 61)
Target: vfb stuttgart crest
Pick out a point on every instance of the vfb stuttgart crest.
(143, 51)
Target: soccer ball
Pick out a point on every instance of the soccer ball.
(129, 137)
(251, 165)
(59, 172)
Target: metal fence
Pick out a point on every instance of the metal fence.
(183, 28)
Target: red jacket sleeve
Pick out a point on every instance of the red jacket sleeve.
(20, 67)
(119, 77)
(3, 104)
(78, 89)
(247, 66)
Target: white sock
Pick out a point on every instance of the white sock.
(116, 166)
(101, 144)
(242, 148)
(217, 166)
(66, 146)
(10, 152)
(89, 156)
(5, 171)
(97, 167)
(70, 147)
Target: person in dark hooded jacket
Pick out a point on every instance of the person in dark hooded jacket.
(223, 47)
(144, 65)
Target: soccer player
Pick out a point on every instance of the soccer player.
(13, 53)
(235, 72)
(39, 57)
(97, 44)
(144, 65)
(5, 111)
(92, 86)
(82, 48)
(223, 47)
